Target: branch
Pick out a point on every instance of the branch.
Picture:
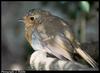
(40, 61)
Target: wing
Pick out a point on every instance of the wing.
(82, 53)
(57, 46)
(78, 49)
(52, 34)
(60, 40)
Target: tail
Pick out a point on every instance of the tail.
(86, 57)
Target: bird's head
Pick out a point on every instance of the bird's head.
(35, 16)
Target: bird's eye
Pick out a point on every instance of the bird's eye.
(32, 18)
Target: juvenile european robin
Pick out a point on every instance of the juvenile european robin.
(53, 35)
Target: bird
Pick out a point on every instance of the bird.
(52, 34)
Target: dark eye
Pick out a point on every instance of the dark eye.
(32, 18)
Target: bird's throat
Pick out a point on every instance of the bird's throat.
(28, 34)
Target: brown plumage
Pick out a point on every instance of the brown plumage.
(52, 34)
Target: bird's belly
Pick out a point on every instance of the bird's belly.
(36, 43)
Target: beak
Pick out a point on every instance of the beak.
(21, 20)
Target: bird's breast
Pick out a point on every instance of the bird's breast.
(36, 41)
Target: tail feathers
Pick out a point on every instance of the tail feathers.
(86, 57)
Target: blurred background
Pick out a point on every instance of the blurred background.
(83, 17)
